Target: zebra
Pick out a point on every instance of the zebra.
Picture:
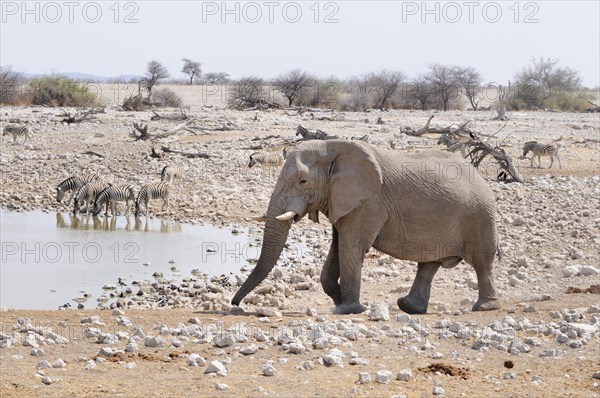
(87, 194)
(268, 160)
(155, 190)
(17, 131)
(111, 195)
(449, 142)
(540, 150)
(317, 135)
(73, 183)
(172, 173)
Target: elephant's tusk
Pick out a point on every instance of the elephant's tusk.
(286, 216)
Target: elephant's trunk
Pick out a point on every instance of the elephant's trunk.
(274, 238)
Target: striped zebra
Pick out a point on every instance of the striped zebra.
(172, 173)
(540, 150)
(449, 142)
(267, 160)
(87, 194)
(155, 190)
(17, 131)
(111, 195)
(73, 183)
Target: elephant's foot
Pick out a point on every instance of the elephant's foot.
(408, 305)
(349, 308)
(486, 304)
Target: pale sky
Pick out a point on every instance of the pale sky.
(341, 38)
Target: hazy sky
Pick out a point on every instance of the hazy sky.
(267, 38)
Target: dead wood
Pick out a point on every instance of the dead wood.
(479, 150)
(450, 130)
(92, 153)
(79, 116)
(178, 116)
(192, 155)
(502, 95)
(154, 154)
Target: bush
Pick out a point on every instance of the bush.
(10, 86)
(247, 92)
(322, 93)
(165, 97)
(60, 91)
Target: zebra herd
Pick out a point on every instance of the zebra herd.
(91, 189)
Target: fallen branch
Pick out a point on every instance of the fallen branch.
(451, 130)
(92, 153)
(479, 150)
(181, 116)
(192, 155)
(79, 117)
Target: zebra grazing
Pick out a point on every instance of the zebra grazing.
(540, 150)
(17, 131)
(449, 142)
(111, 195)
(73, 184)
(155, 190)
(87, 194)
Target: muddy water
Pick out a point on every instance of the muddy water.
(49, 259)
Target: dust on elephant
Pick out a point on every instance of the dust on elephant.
(430, 207)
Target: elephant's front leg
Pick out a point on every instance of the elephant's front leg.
(354, 240)
(331, 271)
(418, 298)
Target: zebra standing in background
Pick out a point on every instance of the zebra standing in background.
(268, 160)
(173, 174)
(449, 142)
(87, 194)
(73, 183)
(540, 150)
(17, 131)
(111, 195)
(155, 190)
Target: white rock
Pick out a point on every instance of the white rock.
(311, 312)
(438, 391)
(36, 352)
(153, 341)
(249, 349)
(267, 311)
(379, 312)
(59, 363)
(334, 357)
(132, 347)
(364, 378)
(571, 270)
(130, 365)
(221, 386)
(383, 376)
(296, 348)
(404, 375)
(43, 364)
(509, 376)
(588, 270)
(91, 364)
(216, 367)
(46, 380)
(268, 369)
(552, 354)
(195, 360)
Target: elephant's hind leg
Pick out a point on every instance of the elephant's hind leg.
(331, 272)
(418, 298)
(488, 297)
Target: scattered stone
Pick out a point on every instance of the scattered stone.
(216, 367)
(379, 312)
(334, 357)
(153, 341)
(552, 354)
(59, 363)
(43, 364)
(438, 390)
(130, 365)
(36, 352)
(364, 378)
(221, 386)
(195, 360)
(588, 270)
(249, 350)
(570, 271)
(268, 369)
(509, 376)
(404, 375)
(47, 381)
(383, 376)
(90, 365)
(268, 312)
(311, 312)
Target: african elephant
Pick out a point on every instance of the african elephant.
(430, 207)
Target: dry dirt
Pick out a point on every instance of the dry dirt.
(222, 190)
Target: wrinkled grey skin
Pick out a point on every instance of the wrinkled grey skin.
(432, 208)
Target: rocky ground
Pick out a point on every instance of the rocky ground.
(544, 342)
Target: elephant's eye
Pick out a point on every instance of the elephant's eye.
(303, 181)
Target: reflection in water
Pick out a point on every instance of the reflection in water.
(127, 223)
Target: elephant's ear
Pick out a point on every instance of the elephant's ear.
(355, 176)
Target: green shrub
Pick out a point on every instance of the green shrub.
(60, 91)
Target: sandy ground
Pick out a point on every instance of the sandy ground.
(548, 223)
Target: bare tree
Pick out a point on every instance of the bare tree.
(247, 92)
(154, 72)
(420, 92)
(542, 78)
(192, 69)
(502, 95)
(216, 77)
(292, 83)
(384, 85)
(442, 82)
(469, 79)
(9, 84)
